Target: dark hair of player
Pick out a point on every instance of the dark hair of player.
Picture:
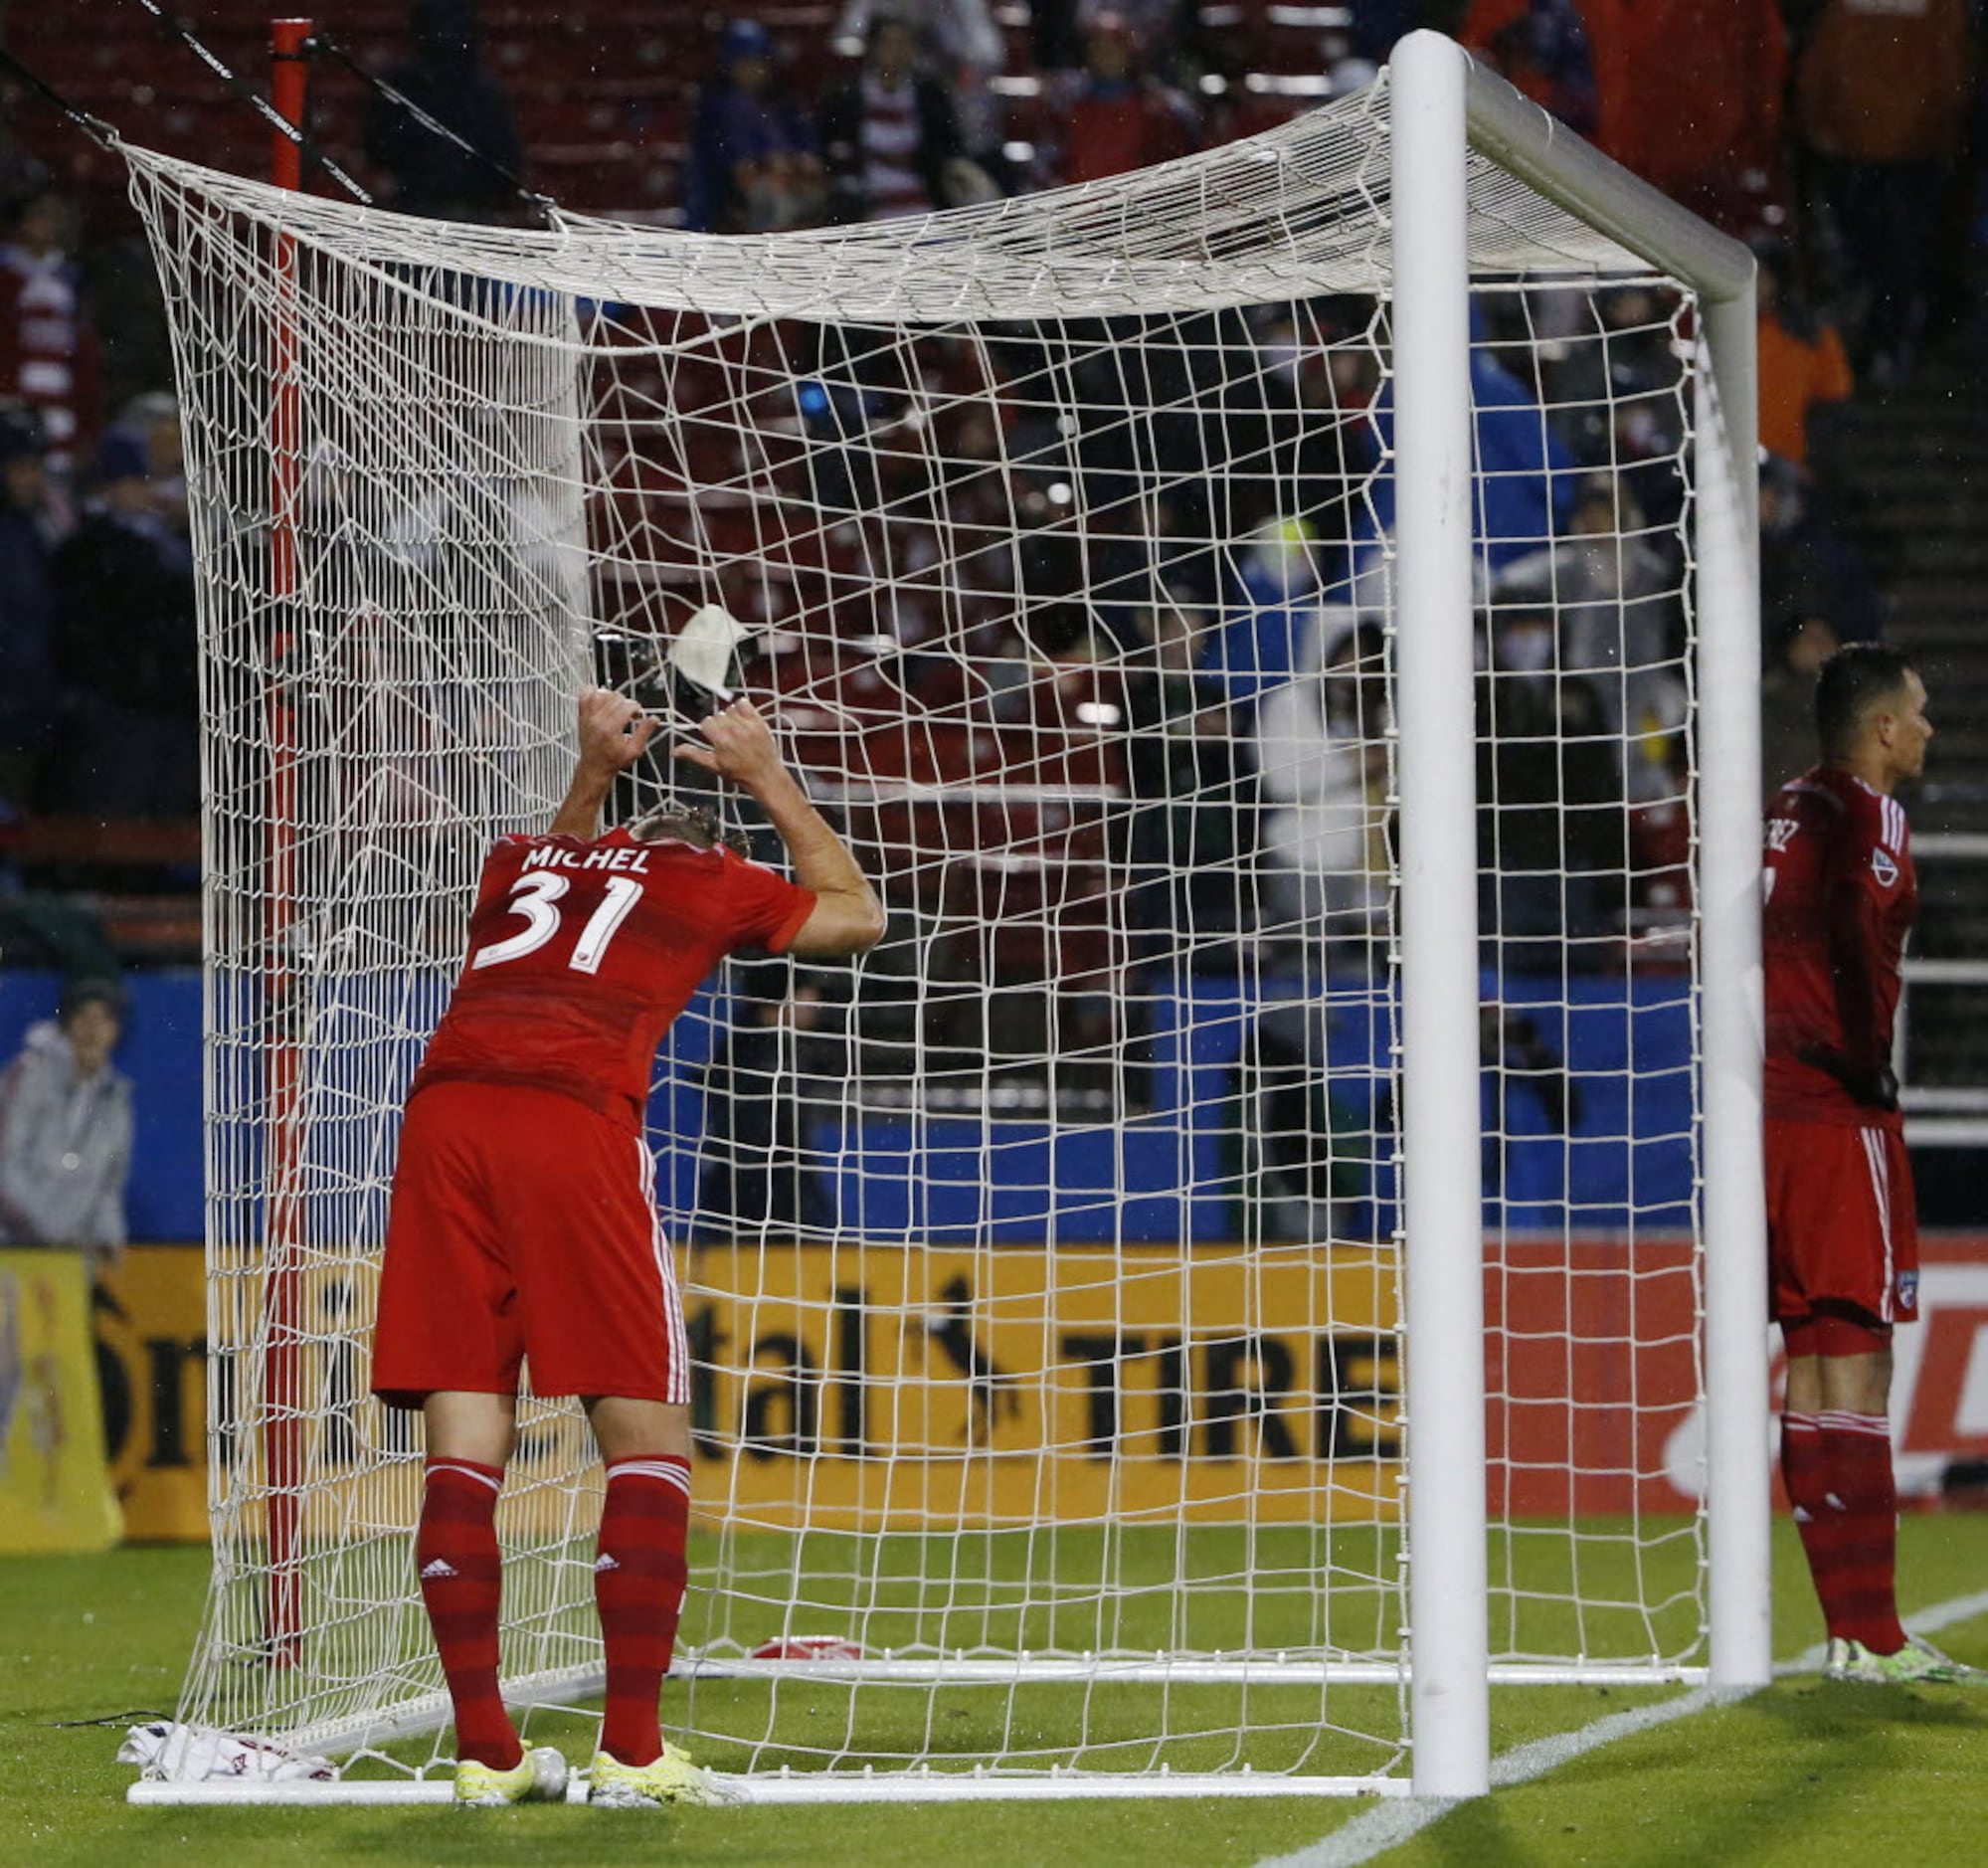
(683, 823)
(1853, 680)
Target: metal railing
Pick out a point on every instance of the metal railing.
(1942, 1115)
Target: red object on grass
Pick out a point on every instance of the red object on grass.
(809, 1647)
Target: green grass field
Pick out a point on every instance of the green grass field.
(1800, 1773)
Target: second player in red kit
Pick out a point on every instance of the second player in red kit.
(1841, 1233)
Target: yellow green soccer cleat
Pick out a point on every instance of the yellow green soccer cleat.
(539, 1776)
(673, 1780)
(1917, 1660)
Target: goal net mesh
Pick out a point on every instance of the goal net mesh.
(1042, 1269)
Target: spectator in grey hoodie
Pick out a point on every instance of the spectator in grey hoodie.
(65, 1131)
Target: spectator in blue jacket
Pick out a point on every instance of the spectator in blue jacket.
(753, 165)
(125, 635)
(1525, 475)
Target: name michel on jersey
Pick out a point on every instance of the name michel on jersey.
(551, 857)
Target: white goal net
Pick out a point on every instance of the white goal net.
(1044, 1270)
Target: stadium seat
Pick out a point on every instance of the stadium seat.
(138, 876)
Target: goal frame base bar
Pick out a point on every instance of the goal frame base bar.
(804, 1786)
(1159, 1672)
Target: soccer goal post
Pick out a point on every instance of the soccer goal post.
(1271, 1246)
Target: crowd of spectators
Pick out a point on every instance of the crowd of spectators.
(98, 703)
(1833, 136)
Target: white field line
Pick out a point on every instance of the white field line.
(1390, 1825)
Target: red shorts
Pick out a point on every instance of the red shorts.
(523, 1228)
(1842, 1225)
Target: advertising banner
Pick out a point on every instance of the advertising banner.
(864, 1385)
(54, 1495)
(151, 1351)
(916, 1388)
(857, 1388)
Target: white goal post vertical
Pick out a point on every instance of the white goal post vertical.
(1441, 98)
(1081, 1423)
(1441, 1127)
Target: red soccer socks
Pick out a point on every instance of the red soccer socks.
(639, 1581)
(1838, 1471)
(1815, 1512)
(461, 1585)
(1858, 1449)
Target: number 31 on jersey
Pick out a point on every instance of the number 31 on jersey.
(536, 896)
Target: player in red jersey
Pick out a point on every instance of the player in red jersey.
(523, 1223)
(1842, 1235)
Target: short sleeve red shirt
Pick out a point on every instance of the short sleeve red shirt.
(582, 954)
(1842, 895)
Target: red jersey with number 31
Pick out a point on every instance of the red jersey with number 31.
(1841, 897)
(582, 954)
